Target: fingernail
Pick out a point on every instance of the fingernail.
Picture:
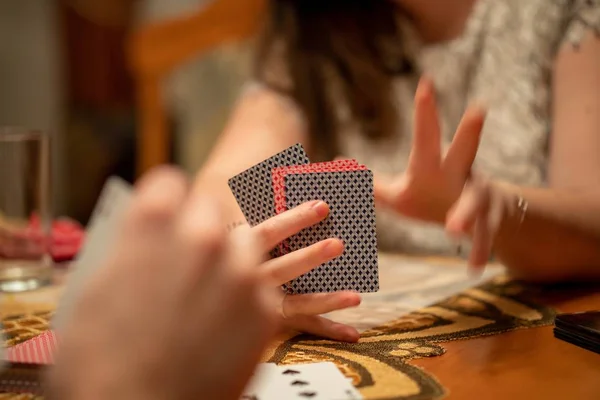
(479, 106)
(354, 301)
(349, 334)
(333, 247)
(320, 207)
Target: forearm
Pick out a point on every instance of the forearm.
(263, 124)
(556, 238)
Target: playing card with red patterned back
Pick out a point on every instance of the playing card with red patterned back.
(329, 166)
(39, 350)
(279, 175)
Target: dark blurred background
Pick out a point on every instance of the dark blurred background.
(64, 68)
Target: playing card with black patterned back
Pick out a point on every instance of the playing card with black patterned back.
(351, 219)
(253, 189)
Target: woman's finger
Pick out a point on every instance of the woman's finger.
(322, 327)
(283, 269)
(482, 243)
(486, 229)
(275, 230)
(318, 303)
(426, 150)
(497, 210)
(462, 216)
(387, 192)
(463, 149)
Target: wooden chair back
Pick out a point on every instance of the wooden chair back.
(156, 49)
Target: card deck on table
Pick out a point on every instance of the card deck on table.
(577, 340)
(581, 329)
(275, 186)
(25, 364)
(322, 381)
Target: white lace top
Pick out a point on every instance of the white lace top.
(504, 60)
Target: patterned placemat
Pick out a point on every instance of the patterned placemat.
(18, 328)
(378, 363)
(21, 322)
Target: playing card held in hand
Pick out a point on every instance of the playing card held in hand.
(288, 180)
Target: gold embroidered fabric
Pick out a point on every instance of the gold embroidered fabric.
(378, 365)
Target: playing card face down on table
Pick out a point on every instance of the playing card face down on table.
(580, 328)
(288, 180)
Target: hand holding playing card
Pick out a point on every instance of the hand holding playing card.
(280, 189)
(301, 312)
(443, 189)
(180, 310)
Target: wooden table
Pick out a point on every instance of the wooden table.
(523, 364)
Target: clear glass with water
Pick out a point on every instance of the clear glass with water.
(25, 216)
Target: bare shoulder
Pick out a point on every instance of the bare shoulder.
(259, 103)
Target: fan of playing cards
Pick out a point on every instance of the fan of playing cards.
(287, 180)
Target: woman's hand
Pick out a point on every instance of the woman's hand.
(442, 189)
(180, 310)
(432, 183)
(478, 213)
(302, 312)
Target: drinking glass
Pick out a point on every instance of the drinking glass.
(25, 217)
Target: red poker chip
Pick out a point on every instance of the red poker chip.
(66, 238)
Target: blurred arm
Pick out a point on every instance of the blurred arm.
(560, 236)
(263, 123)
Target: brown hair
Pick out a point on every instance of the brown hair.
(356, 42)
